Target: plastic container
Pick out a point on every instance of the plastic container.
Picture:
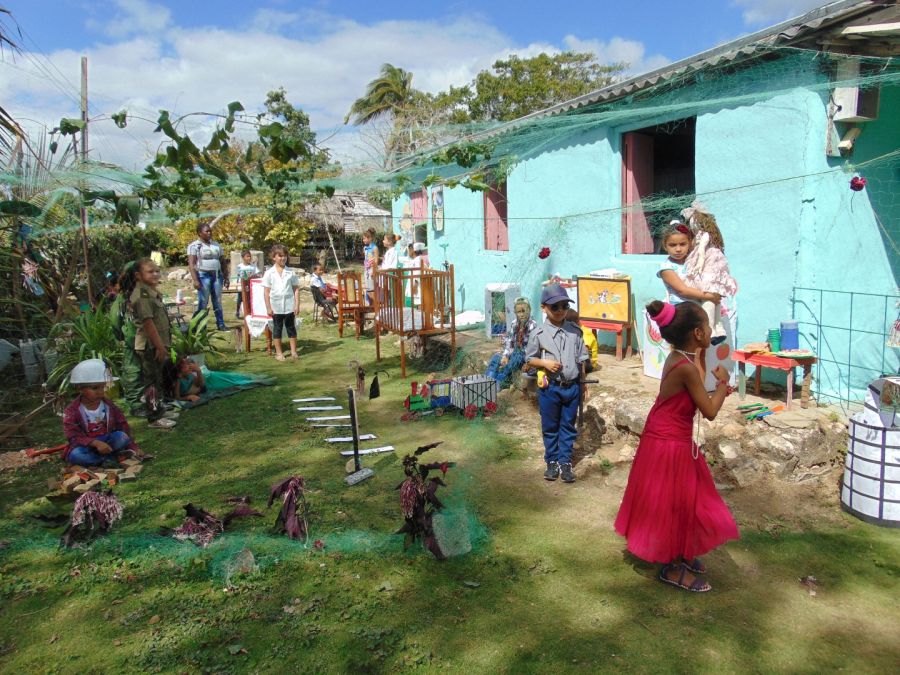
(790, 335)
(774, 340)
(871, 486)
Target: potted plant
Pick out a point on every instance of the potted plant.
(196, 342)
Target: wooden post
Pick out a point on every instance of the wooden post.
(84, 158)
(807, 380)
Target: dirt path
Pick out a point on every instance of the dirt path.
(602, 471)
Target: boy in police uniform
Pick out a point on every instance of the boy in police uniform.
(557, 348)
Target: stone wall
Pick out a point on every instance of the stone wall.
(792, 447)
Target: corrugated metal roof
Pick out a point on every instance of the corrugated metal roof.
(787, 33)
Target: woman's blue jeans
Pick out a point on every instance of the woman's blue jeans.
(210, 289)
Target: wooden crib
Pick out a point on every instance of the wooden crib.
(414, 302)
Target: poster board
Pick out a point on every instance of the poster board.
(607, 300)
(437, 210)
(655, 349)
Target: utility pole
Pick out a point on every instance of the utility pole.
(84, 157)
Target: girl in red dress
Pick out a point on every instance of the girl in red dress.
(671, 512)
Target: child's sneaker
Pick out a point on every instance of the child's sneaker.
(565, 472)
(552, 472)
(162, 423)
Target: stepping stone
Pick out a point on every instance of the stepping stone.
(313, 408)
(349, 439)
(368, 451)
(312, 400)
(322, 426)
(328, 418)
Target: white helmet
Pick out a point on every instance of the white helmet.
(91, 371)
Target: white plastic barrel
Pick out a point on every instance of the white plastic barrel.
(871, 485)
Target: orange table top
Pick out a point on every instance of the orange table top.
(769, 360)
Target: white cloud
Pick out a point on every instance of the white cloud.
(755, 12)
(134, 17)
(322, 64)
(619, 50)
(273, 20)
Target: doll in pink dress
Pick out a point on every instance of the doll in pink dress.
(706, 267)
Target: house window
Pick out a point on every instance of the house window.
(419, 202)
(656, 161)
(496, 230)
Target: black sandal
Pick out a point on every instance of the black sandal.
(699, 585)
(695, 566)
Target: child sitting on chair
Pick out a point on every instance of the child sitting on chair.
(504, 366)
(95, 428)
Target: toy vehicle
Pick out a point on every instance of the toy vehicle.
(468, 394)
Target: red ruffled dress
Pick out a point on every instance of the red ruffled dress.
(671, 507)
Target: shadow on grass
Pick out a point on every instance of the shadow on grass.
(548, 590)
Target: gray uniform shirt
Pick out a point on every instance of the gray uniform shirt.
(564, 344)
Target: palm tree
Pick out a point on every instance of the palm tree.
(389, 93)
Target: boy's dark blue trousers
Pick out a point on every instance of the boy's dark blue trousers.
(558, 405)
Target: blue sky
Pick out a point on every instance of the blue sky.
(188, 55)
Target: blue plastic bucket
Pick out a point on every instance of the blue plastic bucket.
(790, 335)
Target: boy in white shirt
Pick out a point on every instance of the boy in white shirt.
(282, 294)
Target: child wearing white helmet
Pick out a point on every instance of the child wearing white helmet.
(95, 428)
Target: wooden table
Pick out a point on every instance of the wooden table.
(618, 329)
(767, 360)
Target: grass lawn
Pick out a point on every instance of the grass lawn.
(547, 587)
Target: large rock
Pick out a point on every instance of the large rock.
(632, 415)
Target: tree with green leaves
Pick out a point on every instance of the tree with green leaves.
(389, 94)
(516, 87)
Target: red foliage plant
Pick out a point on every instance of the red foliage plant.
(292, 517)
(201, 526)
(93, 513)
(419, 502)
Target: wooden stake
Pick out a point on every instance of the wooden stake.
(84, 157)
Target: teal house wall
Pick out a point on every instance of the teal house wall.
(788, 217)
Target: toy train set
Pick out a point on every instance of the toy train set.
(467, 394)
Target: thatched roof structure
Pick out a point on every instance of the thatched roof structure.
(347, 212)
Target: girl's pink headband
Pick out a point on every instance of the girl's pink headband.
(665, 316)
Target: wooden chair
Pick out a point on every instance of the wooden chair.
(351, 301)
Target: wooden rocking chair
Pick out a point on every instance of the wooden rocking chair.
(351, 301)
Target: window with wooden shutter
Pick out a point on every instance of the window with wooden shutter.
(419, 202)
(656, 161)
